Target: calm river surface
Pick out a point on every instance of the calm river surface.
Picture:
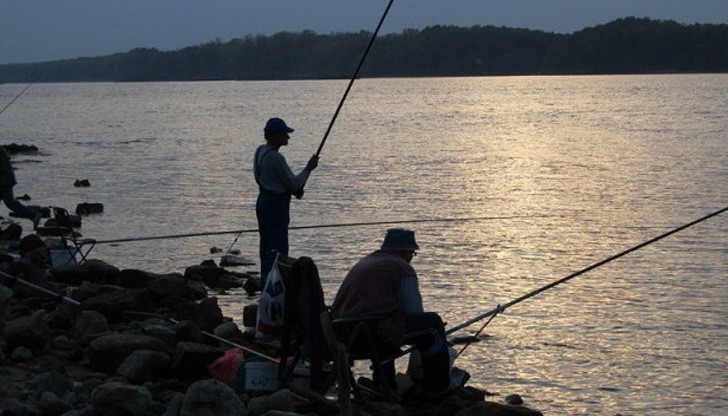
(568, 170)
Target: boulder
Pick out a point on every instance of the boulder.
(144, 365)
(497, 409)
(280, 400)
(135, 279)
(53, 382)
(209, 314)
(109, 351)
(204, 273)
(211, 397)
(113, 304)
(102, 272)
(86, 208)
(31, 332)
(116, 398)
(191, 360)
(173, 284)
(90, 322)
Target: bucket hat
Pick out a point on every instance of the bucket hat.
(400, 239)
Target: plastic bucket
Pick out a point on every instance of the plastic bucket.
(259, 376)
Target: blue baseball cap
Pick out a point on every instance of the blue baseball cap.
(277, 125)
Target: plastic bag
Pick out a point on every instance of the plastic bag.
(226, 367)
(271, 306)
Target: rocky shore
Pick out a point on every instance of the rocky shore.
(131, 342)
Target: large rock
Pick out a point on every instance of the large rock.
(109, 351)
(228, 330)
(159, 328)
(169, 285)
(280, 400)
(88, 290)
(34, 274)
(71, 273)
(209, 314)
(191, 360)
(63, 316)
(86, 208)
(10, 232)
(204, 273)
(29, 331)
(102, 272)
(90, 322)
(133, 278)
(496, 409)
(114, 398)
(29, 243)
(53, 382)
(211, 397)
(51, 405)
(114, 304)
(144, 365)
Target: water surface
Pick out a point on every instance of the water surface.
(570, 171)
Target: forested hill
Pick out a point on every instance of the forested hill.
(629, 45)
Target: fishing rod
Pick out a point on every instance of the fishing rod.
(356, 74)
(16, 97)
(299, 195)
(213, 336)
(57, 296)
(351, 82)
(501, 308)
(309, 227)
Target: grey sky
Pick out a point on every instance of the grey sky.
(42, 30)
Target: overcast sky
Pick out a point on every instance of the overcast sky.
(42, 30)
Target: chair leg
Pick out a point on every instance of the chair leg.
(383, 377)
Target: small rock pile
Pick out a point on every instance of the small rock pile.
(131, 342)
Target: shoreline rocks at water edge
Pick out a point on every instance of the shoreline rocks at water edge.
(131, 342)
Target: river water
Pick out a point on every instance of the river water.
(563, 172)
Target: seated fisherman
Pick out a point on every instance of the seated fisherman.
(384, 283)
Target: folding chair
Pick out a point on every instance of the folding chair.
(340, 364)
(78, 246)
(359, 337)
(63, 226)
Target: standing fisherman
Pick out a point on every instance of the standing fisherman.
(276, 183)
(7, 182)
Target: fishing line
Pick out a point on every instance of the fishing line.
(310, 227)
(16, 97)
(500, 308)
(356, 74)
(474, 337)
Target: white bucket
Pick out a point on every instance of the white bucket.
(261, 376)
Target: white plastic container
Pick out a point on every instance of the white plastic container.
(261, 376)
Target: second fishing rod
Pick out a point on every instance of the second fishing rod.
(500, 308)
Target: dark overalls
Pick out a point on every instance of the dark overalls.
(273, 213)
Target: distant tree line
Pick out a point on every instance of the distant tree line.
(628, 45)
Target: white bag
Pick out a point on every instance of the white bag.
(271, 306)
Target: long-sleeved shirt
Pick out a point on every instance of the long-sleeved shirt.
(273, 173)
(384, 284)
